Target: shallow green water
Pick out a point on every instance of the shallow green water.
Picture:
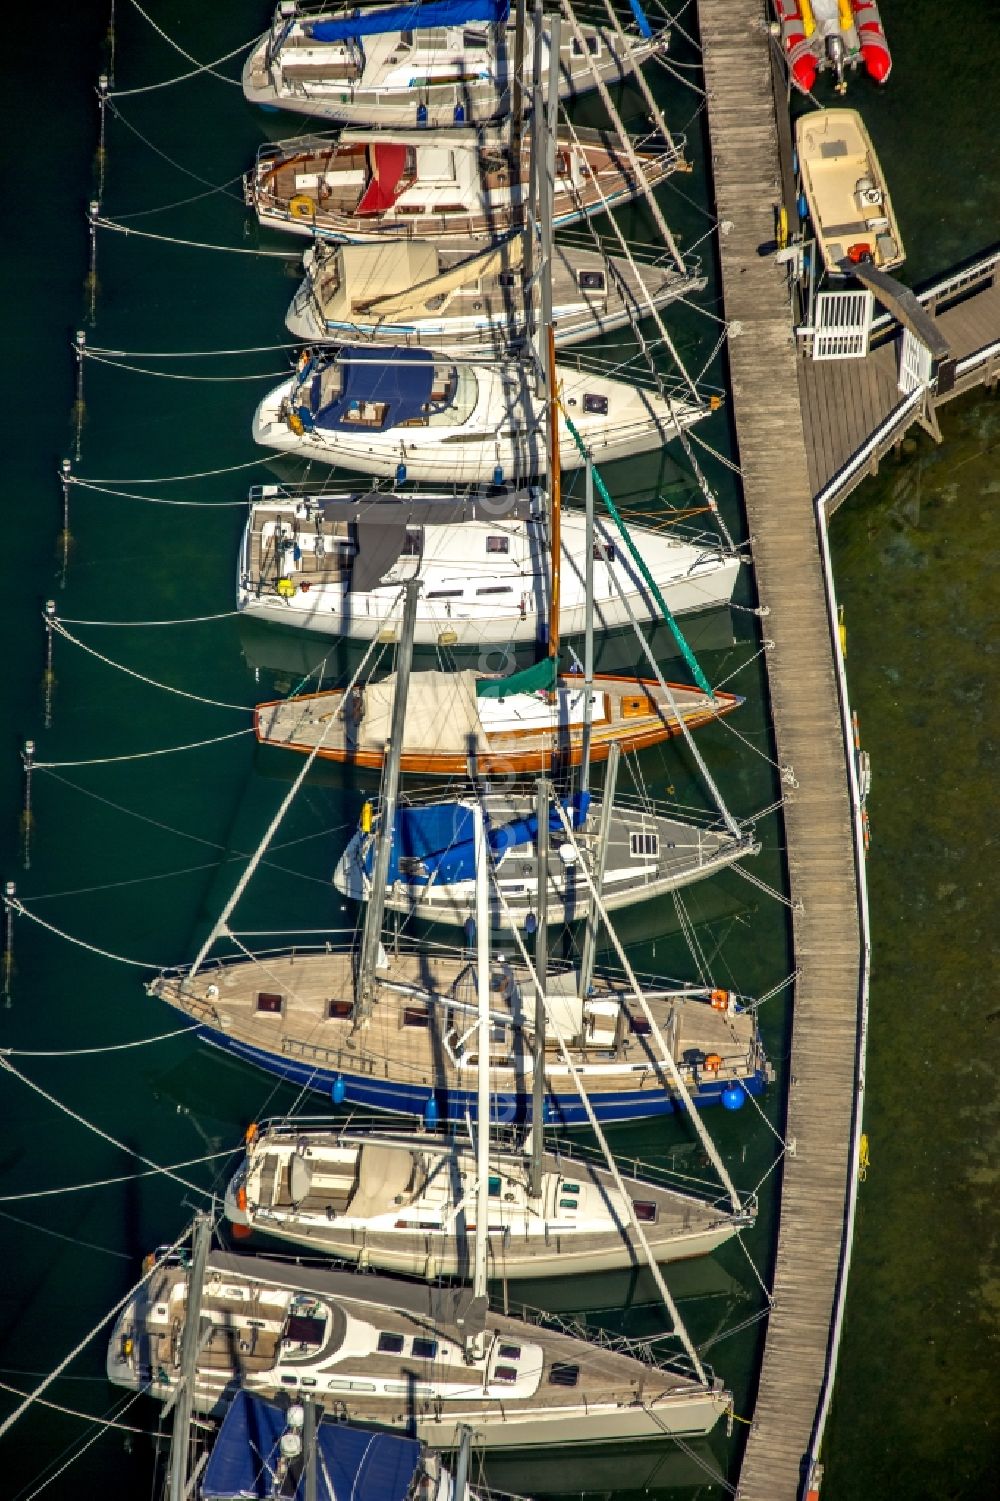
(145, 852)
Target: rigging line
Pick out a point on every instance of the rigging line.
(222, 187)
(74, 1240)
(113, 1047)
(749, 743)
(219, 926)
(72, 1412)
(169, 375)
(728, 463)
(779, 896)
(770, 1170)
(188, 354)
(742, 666)
(159, 500)
(141, 624)
(775, 990)
(170, 479)
(690, 938)
(213, 703)
(74, 1451)
(48, 1193)
(198, 67)
(14, 904)
(98, 1131)
(167, 750)
(769, 1123)
(163, 155)
(147, 234)
(763, 1286)
(54, 1375)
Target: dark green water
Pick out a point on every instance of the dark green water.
(137, 857)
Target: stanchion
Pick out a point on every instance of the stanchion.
(64, 535)
(80, 342)
(9, 892)
(49, 677)
(27, 817)
(93, 212)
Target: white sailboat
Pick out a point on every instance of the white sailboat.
(337, 565)
(412, 414)
(402, 1202)
(419, 292)
(646, 852)
(432, 64)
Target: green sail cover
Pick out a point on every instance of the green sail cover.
(542, 675)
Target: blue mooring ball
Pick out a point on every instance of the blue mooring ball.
(733, 1097)
(431, 1113)
(338, 1090)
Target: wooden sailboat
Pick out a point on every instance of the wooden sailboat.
(459, 723)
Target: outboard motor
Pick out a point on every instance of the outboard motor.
(835, 57)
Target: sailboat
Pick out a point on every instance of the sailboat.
(262, 1452)
(413, 413)
(419, 292)
(399, 1356)
(647, 852)
(465, 722)
(336, 565)
(463, 189)
(430, 64)
(405, 1203)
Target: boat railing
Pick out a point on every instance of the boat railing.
(645, 1350)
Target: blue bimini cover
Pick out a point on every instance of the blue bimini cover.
(352, 1463)
(410, 18)
(380, 388)
(437, 840)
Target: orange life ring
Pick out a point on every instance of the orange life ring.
(713, 1063)
(720, 1000)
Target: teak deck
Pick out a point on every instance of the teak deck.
(778, 493)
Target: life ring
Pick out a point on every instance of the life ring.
(713, 1063)
(302, 206)
(720, 1000)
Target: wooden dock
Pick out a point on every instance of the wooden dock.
(778, 494)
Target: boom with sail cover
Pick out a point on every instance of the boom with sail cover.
(410, 18)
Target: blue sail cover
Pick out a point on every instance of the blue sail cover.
(440, 837)
(410, 18)
(353, 1463)
(401, 378)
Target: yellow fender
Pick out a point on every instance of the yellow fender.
(782, 228)
(286, 588)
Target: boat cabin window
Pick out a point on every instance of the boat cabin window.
(592, 281)
(596, 405)
(303, 1330)
(269, 1003)
(643, 844)
(416, 1016)
(496, 589)
(509, 279)
(644, 1211)
(340, 1011)
(433, 37)
(406, 39)
(391, 1344)
(413, 543)
(561, 1374)
(424, 1349)
(505, 1373)
(593, 44)
(497, 544)
(604, 552)
(509, 1352)
(475, 41)
(639, 1025)
(444, 594)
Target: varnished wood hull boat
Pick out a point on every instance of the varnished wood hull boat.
(451, 732)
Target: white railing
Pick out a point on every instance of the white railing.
(948, 286)
(861, 877)
(899, 416)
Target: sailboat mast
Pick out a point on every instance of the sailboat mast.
(555, 503)
(483, 1092)
(180, 1438)
(588, 633)
(547, 360)
(542, 794)
(390, 791)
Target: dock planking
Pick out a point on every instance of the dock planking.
(778, 493)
